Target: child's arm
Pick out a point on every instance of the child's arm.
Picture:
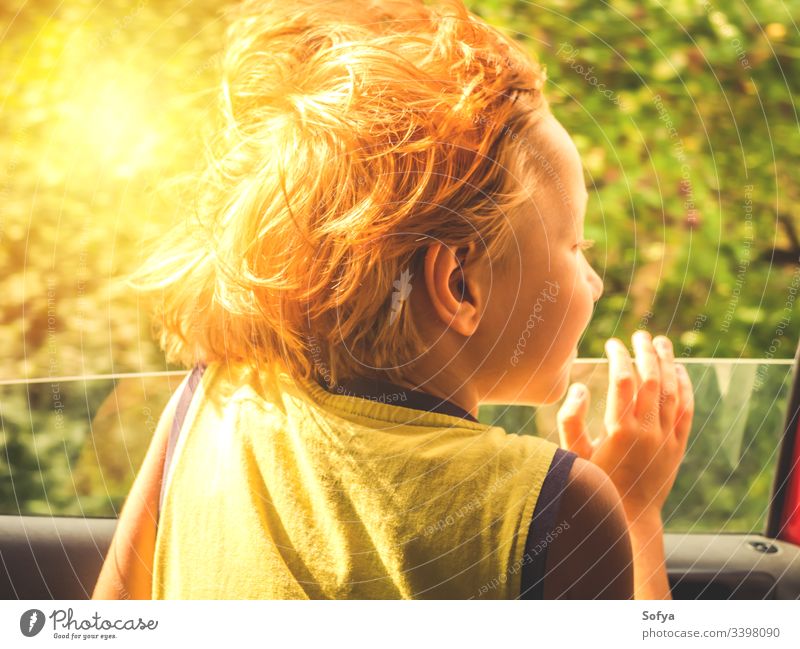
(647, 542)
(648, 420)
(128, 568)
(592, 557)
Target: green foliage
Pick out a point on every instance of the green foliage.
(687, 148)
(725, 74)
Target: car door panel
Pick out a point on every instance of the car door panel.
(731, 566)
(43, 557)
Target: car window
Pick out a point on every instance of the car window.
(696, 230)
(725, 480)
(72, 447)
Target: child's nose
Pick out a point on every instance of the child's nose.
(597, 284)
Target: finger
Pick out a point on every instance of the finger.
(571, 420)
(649, 379)
(683, 422)
(668, 400)
(620, 399)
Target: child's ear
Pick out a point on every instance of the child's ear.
(455, 286)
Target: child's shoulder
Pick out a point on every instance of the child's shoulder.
(592, 557)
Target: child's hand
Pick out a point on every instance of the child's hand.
(647, 420)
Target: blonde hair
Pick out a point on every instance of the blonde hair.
(352, 135)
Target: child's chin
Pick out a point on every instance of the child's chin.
(564, 379)
(558, 390)
(563, 388)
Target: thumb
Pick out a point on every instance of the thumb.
(571, 421)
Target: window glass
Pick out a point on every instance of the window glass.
(725, 480)
(73, 447)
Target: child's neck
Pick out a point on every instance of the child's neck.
(446, 381)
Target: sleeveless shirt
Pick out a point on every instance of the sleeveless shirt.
(368, 490)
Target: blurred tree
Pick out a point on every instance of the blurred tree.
(685, 116)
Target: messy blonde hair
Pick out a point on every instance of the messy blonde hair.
(353, 134)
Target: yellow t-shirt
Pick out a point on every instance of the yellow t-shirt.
(333, 496)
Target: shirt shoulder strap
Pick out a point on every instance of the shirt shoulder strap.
(177, 422)
(543, 523)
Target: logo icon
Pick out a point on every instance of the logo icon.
(400, 295)
(31, 622)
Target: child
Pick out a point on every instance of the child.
(390, 234)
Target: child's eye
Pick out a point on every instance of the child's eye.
(585, 244)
